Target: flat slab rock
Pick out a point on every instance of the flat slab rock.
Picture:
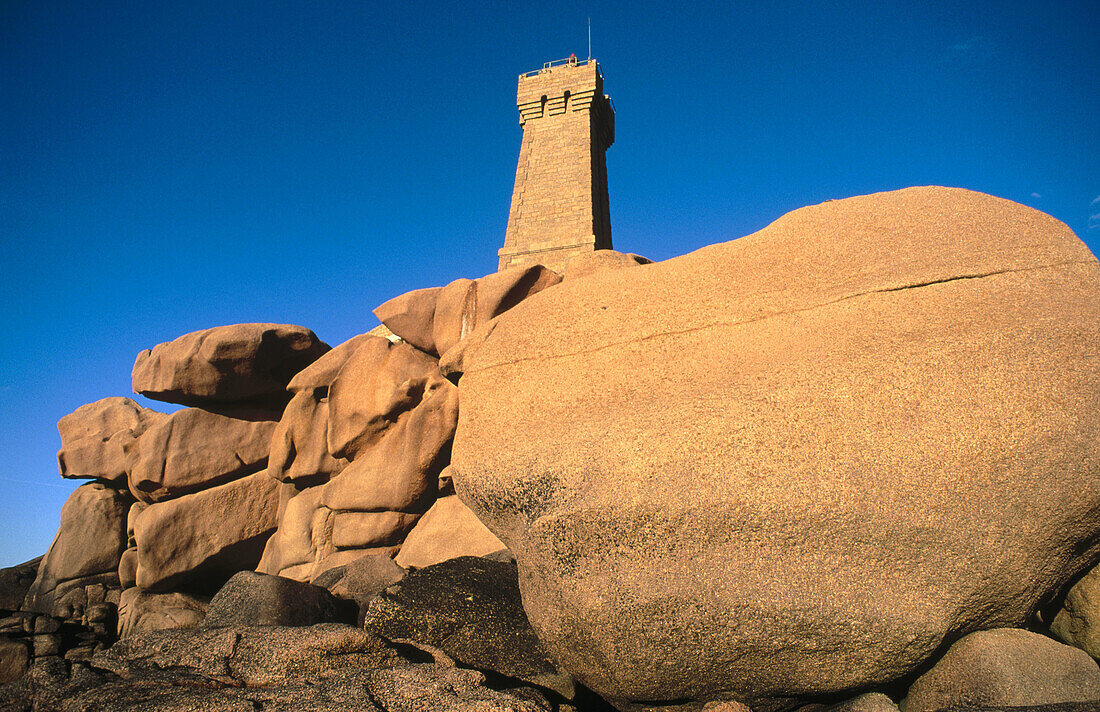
(194, 449)
(241, 363)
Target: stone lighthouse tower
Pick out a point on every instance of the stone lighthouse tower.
(559, 204)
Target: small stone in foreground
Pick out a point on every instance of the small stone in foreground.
(362, 579)
(1007, 666)
(251, 598)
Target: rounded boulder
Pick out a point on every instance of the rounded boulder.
(803, 459)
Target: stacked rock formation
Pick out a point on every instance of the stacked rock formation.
(838, 465)
(362, 448)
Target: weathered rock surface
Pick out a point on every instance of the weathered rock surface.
(869, 702)
(320, 374)
(142, 612)
(361, 580)
(369, 530)
(400, 471)
(470, 608)
(325, 668)
(435, 319)
(299, 447)
(94, 438)
(194, 543)
(790, 457)
(250, 599)
(1062, 707)
(15, 581)
(360, 449)
(436, 688)
(253, 656)
(14, 659)
(227, 364)
(193, 449)
(1006, 667)
(1078, 621)
(86, 548)
(587, 263)
(127, 568)
(446, 531)
(304, 528)
(379, 388)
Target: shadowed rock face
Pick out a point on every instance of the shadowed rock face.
(14, 583)
(470, 608)
(801, 459)
(86, 549)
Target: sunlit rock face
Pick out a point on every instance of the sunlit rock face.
(794, 463)
(362, 463)
(227, 365)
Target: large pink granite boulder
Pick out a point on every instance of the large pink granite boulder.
(193, 449)
(802, 460)
(241, 363)
(197, 541)
(94, 438)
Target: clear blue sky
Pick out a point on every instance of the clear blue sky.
(165, 167)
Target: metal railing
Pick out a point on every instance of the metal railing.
(570, 61)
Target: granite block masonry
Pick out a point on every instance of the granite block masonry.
(559, 203)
